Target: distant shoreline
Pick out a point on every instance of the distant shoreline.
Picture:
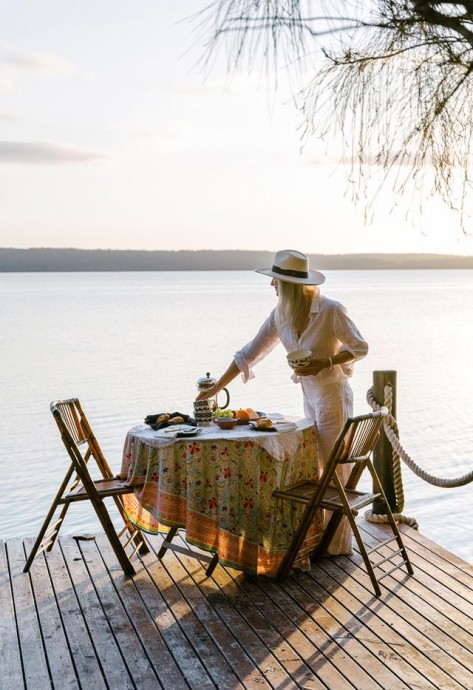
(77, 260)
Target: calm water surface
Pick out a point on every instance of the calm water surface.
(130, 344)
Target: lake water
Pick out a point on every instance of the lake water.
(130, 344)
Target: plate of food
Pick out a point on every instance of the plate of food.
(266, 424)
(262, 424)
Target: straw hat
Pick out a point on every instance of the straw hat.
(293, 267)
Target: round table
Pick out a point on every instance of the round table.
(218, 486)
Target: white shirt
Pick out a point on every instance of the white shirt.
(328, 332)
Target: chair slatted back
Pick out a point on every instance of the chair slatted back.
(70, 413)
(360, 435)
(75, 432)
(354, 445)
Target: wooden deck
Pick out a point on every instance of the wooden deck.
(76, 622)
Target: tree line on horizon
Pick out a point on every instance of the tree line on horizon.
(63, 260)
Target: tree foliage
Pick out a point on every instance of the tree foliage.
(395, 78)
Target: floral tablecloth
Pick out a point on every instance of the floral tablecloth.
(218, 486)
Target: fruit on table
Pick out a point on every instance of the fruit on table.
(247, 413)
(223, 414)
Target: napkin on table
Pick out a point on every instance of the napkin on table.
(178, 431)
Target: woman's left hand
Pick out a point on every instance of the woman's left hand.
(311, 369)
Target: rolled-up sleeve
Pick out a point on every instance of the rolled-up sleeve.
(253, 352)
(348, 334)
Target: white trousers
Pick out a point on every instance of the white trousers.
(329, 407)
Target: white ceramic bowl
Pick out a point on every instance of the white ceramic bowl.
(299, 358)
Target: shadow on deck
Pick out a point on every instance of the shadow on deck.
(75, 621)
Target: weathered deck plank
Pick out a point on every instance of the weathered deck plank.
(206, 598)
(216, 667)
(400, 626)
(251, 631)
(136, 660)
(197, 621)
(189, 663)
(320, 618)
(105, 645)
(29, 631)
(11, 674)
(280, 620)
(87, 667)
(129, 592)
(451, 625)
(355, 609)
(76, 621)
(60, 662)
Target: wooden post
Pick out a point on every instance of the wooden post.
(383, 452)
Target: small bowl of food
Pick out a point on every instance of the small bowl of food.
(226, 422)
(299, 358)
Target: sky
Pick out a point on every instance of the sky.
(113, 137)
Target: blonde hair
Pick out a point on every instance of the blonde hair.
(294, 304)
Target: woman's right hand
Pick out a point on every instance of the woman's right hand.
(208, 393)
(223, 381)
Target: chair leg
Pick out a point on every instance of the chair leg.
(337, 515)
(47, 521)
(364, 554)
(297, 542)
(113, 538)
(328, 533)
(392, 522)
(138, 538)
(38, 545)
(400, 542)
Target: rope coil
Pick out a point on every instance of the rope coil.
(391, 424)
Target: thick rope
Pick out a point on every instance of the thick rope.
(392, 433)
(390, 420)
(390, 428)
(373, 517)
(391, 424)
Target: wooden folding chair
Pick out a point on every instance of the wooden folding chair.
(78, 485)
(354, 445)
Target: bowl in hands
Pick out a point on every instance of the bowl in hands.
(299, 358)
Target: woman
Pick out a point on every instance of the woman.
(305, 319)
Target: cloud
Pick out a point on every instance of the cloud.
(43, 153)
(15, 64)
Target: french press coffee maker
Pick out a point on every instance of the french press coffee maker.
(207, 382)
(204, 409)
